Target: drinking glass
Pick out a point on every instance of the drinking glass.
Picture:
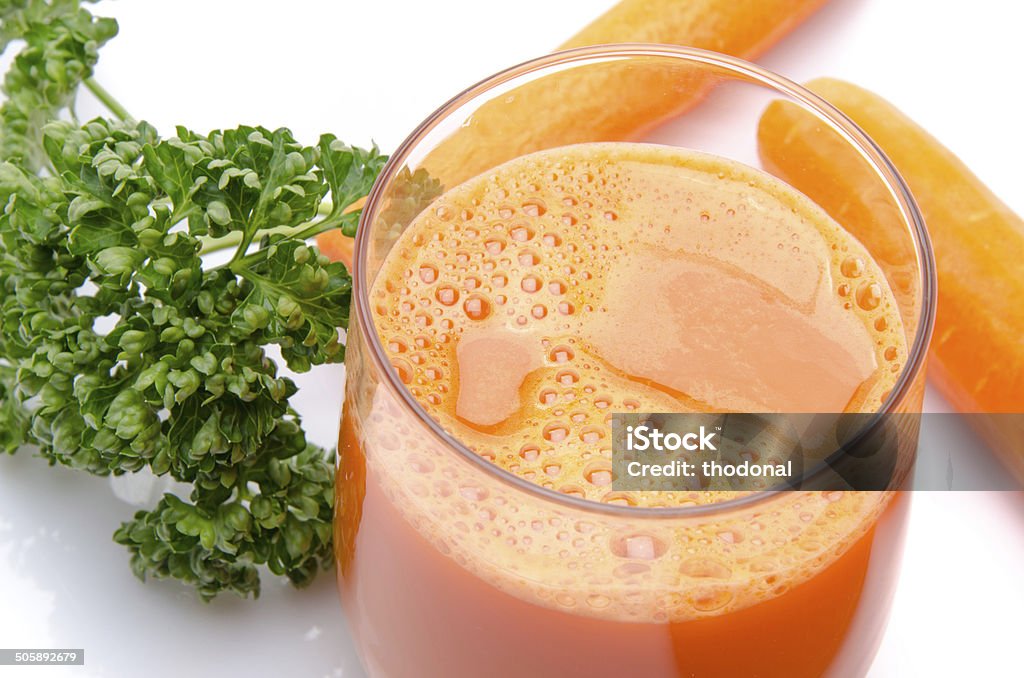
(451, 566)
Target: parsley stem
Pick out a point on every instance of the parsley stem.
(234, 238)
(107, 99)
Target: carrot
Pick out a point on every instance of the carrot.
(744, 28)
(615, 100)
(336, 245)
(977, 353)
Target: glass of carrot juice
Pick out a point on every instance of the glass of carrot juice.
(531, 261)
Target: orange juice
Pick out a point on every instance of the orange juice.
(521, 309)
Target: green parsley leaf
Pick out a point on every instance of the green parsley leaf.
(122, 348)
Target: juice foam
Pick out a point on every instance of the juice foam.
(525, 306)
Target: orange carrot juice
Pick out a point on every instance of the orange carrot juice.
(520, 310)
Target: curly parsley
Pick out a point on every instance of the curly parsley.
(121, 348)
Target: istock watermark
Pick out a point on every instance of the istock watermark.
(807, 451)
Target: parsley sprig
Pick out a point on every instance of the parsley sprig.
(121, 348)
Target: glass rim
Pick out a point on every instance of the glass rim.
(851, 133)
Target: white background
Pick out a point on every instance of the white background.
(371, 71)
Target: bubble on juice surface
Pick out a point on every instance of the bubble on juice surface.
(447, 295)
(638, 546)
(534, 208)
(869, 295)
(710, 599)
(477, 307)
(428, 273)
(598, 474)
(852, 267)
(703, 567)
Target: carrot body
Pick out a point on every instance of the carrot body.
(615, 101)
(977, 353)
(744, 28)
(336, 245)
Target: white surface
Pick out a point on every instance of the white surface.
(372, 70)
